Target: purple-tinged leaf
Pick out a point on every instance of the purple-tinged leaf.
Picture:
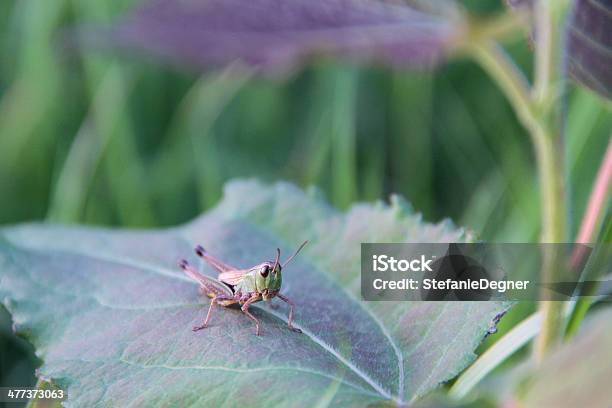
(110, 313)
(277, 35)
(519, 4)
(590, 45)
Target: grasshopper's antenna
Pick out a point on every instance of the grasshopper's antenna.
(296, 252)
(277, 259)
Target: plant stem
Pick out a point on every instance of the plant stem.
(499, 66)
(553, 231)
(544, 136)
(548, 88)
(506, 74)
(540, 113)
(499, 28)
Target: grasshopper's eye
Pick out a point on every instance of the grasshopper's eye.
(265, 271)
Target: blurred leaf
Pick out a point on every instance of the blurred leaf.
(578, 374)
(277, 35)
(110, 314)
(518, 4)
(590, 45)
(589, 42)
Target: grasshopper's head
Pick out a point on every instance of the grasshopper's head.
(268, 279)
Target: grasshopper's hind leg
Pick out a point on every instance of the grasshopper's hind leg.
(213, 301)
(208, 287)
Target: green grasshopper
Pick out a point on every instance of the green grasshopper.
(241, 286)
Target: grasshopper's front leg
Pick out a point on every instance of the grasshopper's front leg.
(214, 300)
(290, 320)
(245, 309)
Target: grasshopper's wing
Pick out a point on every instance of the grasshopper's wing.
(232, 277)
(210, 287)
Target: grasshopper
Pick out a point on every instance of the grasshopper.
(241, 286)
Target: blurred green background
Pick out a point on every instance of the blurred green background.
(94, 138)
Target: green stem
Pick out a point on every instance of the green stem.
(506, 74)
(501, 68)
(502, 27)
(549, 80)
(543, 125)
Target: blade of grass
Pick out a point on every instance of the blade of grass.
(597, 211)
(319, 150)
(28, 109)
(410, 142)
(583, 304)
(79, 167)
(32, 97)
(512, 341)
(126, 175)
(318, 144)
(343, 139)
(482, 206)
(205, 102)
(584, 113)
(598, 202)
(191, 130)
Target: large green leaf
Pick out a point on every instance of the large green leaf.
(110, 313)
